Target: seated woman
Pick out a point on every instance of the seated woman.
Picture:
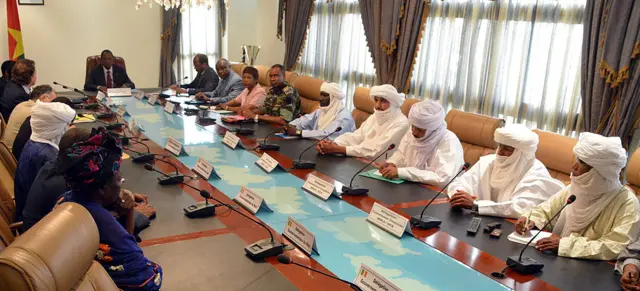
(92, 171)
(251, 97)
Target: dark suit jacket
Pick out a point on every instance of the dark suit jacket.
(96, 78)
(23, 136)
(206, 81)
(13, 95)
(3, 83)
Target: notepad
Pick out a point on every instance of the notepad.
(86, 118)
(523, 240)
(375, 174)
(221, 111)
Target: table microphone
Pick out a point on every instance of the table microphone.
(72, 89)
(300, 164)
(174, 179)
(427, 222)
(270, 147)
(528, 265)
(362, 191)
(284, 259)
(244, 131)
(139, 157)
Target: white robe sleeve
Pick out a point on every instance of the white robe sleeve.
(397, 159)
(354, 138)
(470, 181)
(447, 161)
(357, 148)
(305, 122)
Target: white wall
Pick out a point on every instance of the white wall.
(61, 34)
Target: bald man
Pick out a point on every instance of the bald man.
(229, 86)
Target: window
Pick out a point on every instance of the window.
(200, 35)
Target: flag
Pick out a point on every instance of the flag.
(16, 47)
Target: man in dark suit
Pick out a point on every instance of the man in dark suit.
(7, 66)
(23, 77)
(108, 75)
(205, 81)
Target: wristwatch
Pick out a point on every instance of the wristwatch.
(474, 207)
(256, 118)
(299, 132)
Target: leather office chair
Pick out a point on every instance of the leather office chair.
(238, 68)
(475, 132)
(8, 159)
(406, 106)
(309, 91)
(362, 106)
(263, 77)
(56, 254)
(94, 61)
(633, 173)
(3, 126)
(556, 153)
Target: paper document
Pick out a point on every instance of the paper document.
(523, 240)
(212, 109)
(86, 118)
(375, 174)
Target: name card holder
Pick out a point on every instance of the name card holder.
(153, 99)
(232, 140)
(268, 163)
(122, 111)
(320, 188)
(251, 200)
(175, 147)
(169, 107)
(134, 126)
(302, 237)
(368, 279)
(205, 170)
(389, 220)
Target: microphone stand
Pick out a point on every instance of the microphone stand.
(300, 164)
(270, 147)
(350, 191)
(284, 259)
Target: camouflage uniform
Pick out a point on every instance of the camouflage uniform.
(283, 102)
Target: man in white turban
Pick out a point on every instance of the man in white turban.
(49, 122)
(507, 183)
(603, 220)
(325, 120)
(428, 152)
(386, 126)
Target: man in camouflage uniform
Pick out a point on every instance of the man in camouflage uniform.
(282, 104)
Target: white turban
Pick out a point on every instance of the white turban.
(49, 122)
(427, 115)
(596, 188)
(506, 172)
(328, 114)
(390, 94)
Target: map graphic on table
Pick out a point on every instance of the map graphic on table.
(345, 239)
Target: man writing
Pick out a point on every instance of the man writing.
(206, 79)
(385, 127)
(509, 182)
(325, 120)
(108, 75)
(282, 103)
(229, 86)
(428, 152)
(628, 265)
(603, 220)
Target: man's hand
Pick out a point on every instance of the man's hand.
(248, 114)
(201, 97)
(125, 85)
(174, 87)
(328, 147)
(551, 243)
(522, 228)
(462, 199)
(141, 198)
(102, 89)
(629, 280)
(291, 130)
(127, 202)
(390, 171)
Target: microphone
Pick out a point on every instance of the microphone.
(528, 265)
(300, 164)
(362, 191)
(174, 179)
(244, 131)
(428, 221)
(284, 259)
(270, 147)
(111, 126)
(139, 157)
(72, 89)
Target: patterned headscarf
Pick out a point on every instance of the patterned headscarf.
(90, 164)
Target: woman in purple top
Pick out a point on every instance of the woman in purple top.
(92, 171)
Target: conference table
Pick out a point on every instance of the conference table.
(208, 253)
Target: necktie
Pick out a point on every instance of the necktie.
(109, 80)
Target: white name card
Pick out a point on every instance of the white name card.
(231, 139)
(100, 96)
(153, 98)
(173, 146)
(267, 163)
(204, 169)
(388, 220)
(169, 107)
(134, 125)
(370, 280)
(110, 102)
(121, 110)
(119, 92)
(138, 94)
(251, 200)
(300, 236)
(319, 187)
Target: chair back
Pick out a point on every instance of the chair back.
(309, 91)
(94, 61)
(475, 132)
(556, 153)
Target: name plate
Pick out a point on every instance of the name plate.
(153, 98)
(169, 107)
(231, 139)
(204, 169)
(251, 200)
(173, 146)
(319, 187)
(134, 125)
(370, 280)
(388, 220)
(110, 102)
(100, 97)
(300, 236)
(121, 111)
(138, 94)
(119, 92)
(267, 163)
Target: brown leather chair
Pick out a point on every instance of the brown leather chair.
(633, 172)
(3, 126)
(56, 254)
(8, 159)
(556, 153)
(94, 61)
(406, 106)
(309, 91)
(362, 106)
(475, 132)
(263, 77)
(238, 68)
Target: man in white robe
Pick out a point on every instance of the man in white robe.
(603, 219)
(509, 182)
(429, 152)
(385, 127)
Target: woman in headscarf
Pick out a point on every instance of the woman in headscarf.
(92, 169)
(428, 152)
(49, 122)
(325, 120)
(603, 220)
(385, 127)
